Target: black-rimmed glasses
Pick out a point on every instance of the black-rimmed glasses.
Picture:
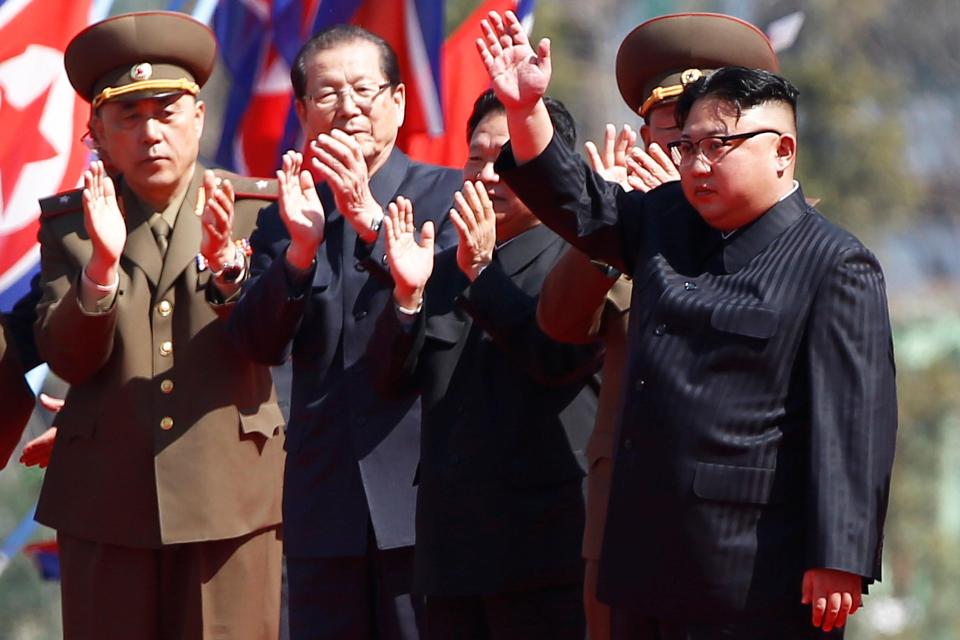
(712, 148)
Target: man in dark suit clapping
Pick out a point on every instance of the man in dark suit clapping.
(349, 481)
(499, 508)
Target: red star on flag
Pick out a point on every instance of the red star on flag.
(21, 141)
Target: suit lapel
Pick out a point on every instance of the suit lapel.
(140, 248)
(186, 235)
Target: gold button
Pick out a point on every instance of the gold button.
(166, 348)
(166, 423)
(164, 308)
(166, 386)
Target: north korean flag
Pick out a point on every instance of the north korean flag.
(42, 120)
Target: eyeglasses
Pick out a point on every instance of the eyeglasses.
(363, 95)
(712, 148)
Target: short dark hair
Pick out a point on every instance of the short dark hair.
(739, 87)
(563, 124)
(335, 36)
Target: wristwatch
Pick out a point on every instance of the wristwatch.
(376, 223)
(232, 270)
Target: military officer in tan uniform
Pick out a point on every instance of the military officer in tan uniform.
(583, 300)
(164, 482)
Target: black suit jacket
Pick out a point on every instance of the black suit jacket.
(757, 432)
(500, 506)
(351, 456)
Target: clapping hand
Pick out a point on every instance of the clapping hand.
(612, 163)
(217, 221)
(648, 169)
(339, 159)
(104, 224)
(476, 227)
(411, 262)
(300, 210)
(36, 453)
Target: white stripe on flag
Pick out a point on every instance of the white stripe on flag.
(429, 93)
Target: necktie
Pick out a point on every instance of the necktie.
(161, 232)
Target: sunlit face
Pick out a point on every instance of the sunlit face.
(373, 125)
(751, 174)
(513, 217)
(660, 126)
(153, 142)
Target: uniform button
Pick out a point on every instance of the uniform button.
(627, 444)
(166, 423)
(359, 266)
(383, 259)
(359, 315)
(164, 308)
(641, 383)
(690, 286)
(166, 348)
(660, 330)
(166, 386)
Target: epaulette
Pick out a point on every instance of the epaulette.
(250, 188)
(60, 204)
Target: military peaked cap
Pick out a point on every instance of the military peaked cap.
(137, 55)
(662, 55)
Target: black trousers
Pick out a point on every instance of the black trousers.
(354, 598)
(629, 625)
(551, 613)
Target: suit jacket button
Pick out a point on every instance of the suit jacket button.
(166, 348)
(359, 266)
(627, 444)
(660, 330)
(166, 386)
(359, 315)
(164, 308)
(641, 383)
(166, 423)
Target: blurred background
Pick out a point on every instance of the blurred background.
(878, 145)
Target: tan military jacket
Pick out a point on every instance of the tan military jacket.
(168, 435)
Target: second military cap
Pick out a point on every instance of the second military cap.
(663, 54)
(134, 55)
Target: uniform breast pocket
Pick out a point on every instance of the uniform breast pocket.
(753, 322)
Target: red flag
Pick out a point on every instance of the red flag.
(464, 79)
(43, 121)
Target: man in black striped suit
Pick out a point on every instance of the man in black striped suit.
(756, 441)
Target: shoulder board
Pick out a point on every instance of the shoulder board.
(60, 204)
(250, 188)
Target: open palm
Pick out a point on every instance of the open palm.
(411, 262)
(519, 75)
(101, 214)
(300, 207)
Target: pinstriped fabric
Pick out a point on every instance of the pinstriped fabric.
(758, 419)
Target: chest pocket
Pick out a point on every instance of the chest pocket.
(752, 321)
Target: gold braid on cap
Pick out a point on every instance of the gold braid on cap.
(658, 94)
(689, 76)
(181, 84)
